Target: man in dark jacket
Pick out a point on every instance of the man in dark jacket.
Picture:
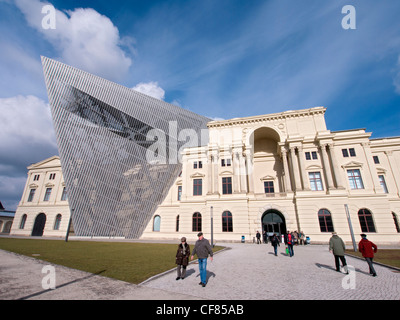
(202, 248)
(182, 258)
(368, 248)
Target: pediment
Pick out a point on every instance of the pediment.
(49, 185)
(197, 175)
(352, 164)
(314, 167)
(51, 162)
(226, 173)
(33, 186)
(267, 177)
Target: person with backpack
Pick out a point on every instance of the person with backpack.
(275, 244)
(289, 241)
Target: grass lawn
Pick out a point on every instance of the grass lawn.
(131, 262)
(389, 257)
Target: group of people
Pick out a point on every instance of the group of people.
(366, 247)
(290, 239)
(203, 249)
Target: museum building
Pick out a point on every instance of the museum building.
(275, 173)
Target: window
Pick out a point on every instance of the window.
(177, 223)
(355, 180)
(350, 151)
(197, 187)
(366, 221)
(22, 223)
(376, 159)
(57, 222)
(227, 185)
(226, 162)
(47, 194)
(197, 164)
(196, 225)
(36, 177)
(308, 155)
(156, 223)
(269, 187)
(64, 195)
(383, 183)
(396, 222)
(315, 181)
(179, 193)
(325, 220)
(227, 225)
(31, 195)
(52, 176)
(312, 154)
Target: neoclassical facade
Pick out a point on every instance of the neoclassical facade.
(280, 172)
(43, 209)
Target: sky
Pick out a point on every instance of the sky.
(221, 59)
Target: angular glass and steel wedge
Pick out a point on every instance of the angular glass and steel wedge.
(119, 149)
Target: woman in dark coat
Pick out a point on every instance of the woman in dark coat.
(182, 258)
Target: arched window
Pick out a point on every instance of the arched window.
(396, 222)
(196, 226)
(177, 223)
(325, 220)
(22, 223)
(156, 223)
(227, 225)
(366, 221)
(57, 222)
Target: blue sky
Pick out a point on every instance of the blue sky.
(221, 59)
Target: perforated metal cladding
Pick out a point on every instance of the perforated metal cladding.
(103, 132)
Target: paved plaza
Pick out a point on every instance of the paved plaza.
(240, 272)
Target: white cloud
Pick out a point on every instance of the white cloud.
(25, 120)
(84, 38)
(151, 89)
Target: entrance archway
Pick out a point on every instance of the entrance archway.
(39, 224)
(273, 221)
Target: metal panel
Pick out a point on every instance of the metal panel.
(104, 141)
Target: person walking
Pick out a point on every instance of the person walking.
(289, 242)
(368, 248)
(182, 259)
(275, 244)
(337, 247)
(258, 235)
(202, 248)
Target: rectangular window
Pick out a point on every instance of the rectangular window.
(195, 165)
(383, 183)
(227, 185)
(308, 155)
(269, 187)
(36, 177)
(225, 162)
(314, 155)
(355, 180)
(315, 181)
(179, 193)
(376, 159)
(52, 176)
(47, 194)
(31, 195)
(64, 195)
(352, 152)
(345, 153)
(197, 187)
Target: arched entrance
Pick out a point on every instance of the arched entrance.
(38, 227)
(273, 222)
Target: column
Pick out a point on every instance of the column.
(295, 167)
(327, 167)
(389, 155)
(249, 170)
(335, 167)
(288, 186)
(303, 173)
(372, 168)
(215, 178)
(209, 174)
(242, 173)
(235, 164)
